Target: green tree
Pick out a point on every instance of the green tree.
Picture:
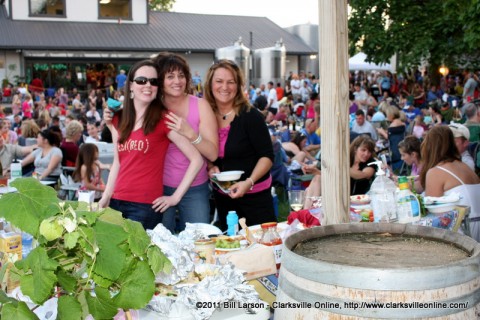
(160, 5)
(439, 32)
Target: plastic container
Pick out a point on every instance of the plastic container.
(15, 170)
(232, 223)
(408, 207)
(382, 194)
(205, 249)
(270, 237)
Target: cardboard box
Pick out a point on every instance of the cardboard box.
(10, 243)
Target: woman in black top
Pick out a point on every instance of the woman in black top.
(244, 144)
(362, 152)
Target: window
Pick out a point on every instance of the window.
(47, 8)
(115, 9)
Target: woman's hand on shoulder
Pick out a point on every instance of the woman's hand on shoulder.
(180, 125)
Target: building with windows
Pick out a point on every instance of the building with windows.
(85, 43)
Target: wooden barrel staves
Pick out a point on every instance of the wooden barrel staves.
(379, 270)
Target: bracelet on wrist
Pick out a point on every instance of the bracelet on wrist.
(251, 181)
(198, 140)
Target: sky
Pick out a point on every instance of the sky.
(283, 13)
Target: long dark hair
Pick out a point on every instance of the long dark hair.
(86, 156)
(127, 115)
(240, 101)
(362, 140)
(438, 146)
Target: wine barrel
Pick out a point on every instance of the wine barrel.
(378, 270)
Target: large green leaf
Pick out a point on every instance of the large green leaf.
(110, 258)
(89, 216)
(112, 216)
(138, 239)
(67, 281)
(38, 284)
(6, 299)
(136, 286)
(70, 239)
(87, 241)
(158, 261)
(69, 308)
(101, 306)
(30, 205)
(17, 312)
(101, 281)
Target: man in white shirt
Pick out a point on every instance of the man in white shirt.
(295, 85)
(462, 136)
(93, 133)
(361, 97)
(469, 87)
(272, 99)
(360, 125)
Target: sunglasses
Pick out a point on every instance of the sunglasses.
(143, 81)
(223, 62)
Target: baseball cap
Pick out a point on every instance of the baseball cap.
(459, 130)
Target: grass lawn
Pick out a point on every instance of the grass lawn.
(283, 205)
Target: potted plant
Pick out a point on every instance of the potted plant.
(97, 262)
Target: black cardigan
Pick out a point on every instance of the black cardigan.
(248, 140)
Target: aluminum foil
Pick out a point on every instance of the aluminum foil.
(179, 252)
(225, 285)
(195, 231)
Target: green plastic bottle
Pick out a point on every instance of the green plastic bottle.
(408, 206)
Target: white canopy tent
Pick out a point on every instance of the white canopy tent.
(357, 62)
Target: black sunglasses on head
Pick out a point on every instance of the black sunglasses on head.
(143, 81)
(223, 62)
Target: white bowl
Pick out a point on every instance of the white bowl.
(440, 208)
(360, 199)
(228, 175)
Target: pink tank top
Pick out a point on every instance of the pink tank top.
(176, 163)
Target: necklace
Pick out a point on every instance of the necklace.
(224, 116)
(138, 120)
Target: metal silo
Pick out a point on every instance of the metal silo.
(238, 53)
(269, 64)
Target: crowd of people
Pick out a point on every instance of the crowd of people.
(173, 133)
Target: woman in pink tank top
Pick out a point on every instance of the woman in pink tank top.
(193, 118)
